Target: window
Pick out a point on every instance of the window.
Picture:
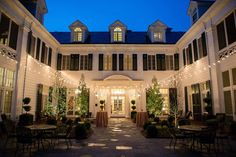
(31, 44)
(65, 62)
(158, 36)
(78, 34)
(107, 64)
(9, 78)
(176, 61)
(231, 29)
(118, 34)
(234, 76)
(221, 35)
(128, 62)
(1, 76)
(84, 62)
(161, 59)
(4, 29)
(194, 16)
(228, 102)
(49, 56)
(7, 101)
(169, 62)
(200, 49)
(225, 77)
(151, 62)
(13, 35)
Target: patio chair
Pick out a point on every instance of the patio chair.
(176, 136)
(63, 132)
(207, 138)
(9, 129)
(25, 139)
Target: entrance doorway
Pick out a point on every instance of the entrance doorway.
(118, 106)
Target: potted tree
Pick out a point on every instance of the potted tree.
(102, 104)
(133, 112)
(26, 118)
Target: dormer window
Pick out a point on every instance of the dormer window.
(158, 36)
(118, 34)
(78, 34)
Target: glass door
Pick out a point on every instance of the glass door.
(118, 107)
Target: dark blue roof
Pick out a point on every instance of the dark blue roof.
(104, 37)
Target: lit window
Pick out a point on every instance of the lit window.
(157, 36)
(78, 34)
(1, 76)
(128, 62)
(107, 62)
(9, 78)
(117, 34)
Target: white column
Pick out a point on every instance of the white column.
(20, 71)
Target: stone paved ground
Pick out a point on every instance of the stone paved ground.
(121, 139)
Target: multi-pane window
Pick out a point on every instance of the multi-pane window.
(117, 37)
(228, 102)
(8, 32)
(65, 62)
(7, 101)
(84, 62)
(1, 76)
(158, 36)
(78, 34)
(225, 77)
(107, 64)
(9, 78)
(169, 62)
(6, 90)
(234, 76)
(128, 62)
(151, 62)
(228, 26)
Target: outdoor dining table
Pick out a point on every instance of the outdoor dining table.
(40, 131)
(193, 131)
(101, 119)
(141, 118)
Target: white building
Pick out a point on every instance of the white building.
(119, 64)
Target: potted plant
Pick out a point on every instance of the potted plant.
(208, 107)
(133, 105)
(133, 112)
(26, 118)
(102, 103)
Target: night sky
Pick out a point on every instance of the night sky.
(97, 15)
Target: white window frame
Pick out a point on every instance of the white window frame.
(118, 34)
(78, 34)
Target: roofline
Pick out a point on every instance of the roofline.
(38, 24)
(200, 21)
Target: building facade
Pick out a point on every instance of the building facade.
(118, 65)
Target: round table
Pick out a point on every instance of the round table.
(101, 119)
(141, 118)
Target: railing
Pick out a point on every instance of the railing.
(7, 51)
(226, 52)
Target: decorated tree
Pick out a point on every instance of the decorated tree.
(154, 98)
(83, 98)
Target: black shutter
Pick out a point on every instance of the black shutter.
(50, 56)
(72, 62)
(231, 29)
(76, 63)
(39, 103)
(114, 62)
(184, 57)
(90, 61)
(204, 44)
(13, 35)
(38, 48)
(172, 97)
(29, 42)
(100, 62)
(144, 62)
(43, 53)
(163, 62)
(195, 50)
(186, 99)
(121, 62)
(59, 59)
(135, 62)
(190, 54)
(158, 61)
(176, 61)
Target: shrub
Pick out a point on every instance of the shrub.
(26, 119)
(51, 120)
(80, 131)
(133, 115)
(151, 131)
(146, 125)
(87, 125)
